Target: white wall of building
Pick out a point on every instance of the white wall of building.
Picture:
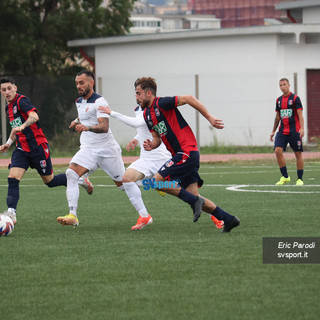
(238, 78)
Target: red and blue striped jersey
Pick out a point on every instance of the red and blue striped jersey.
(164, 118)
(287, 107)
(17, 112)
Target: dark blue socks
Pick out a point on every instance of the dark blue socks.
(58, 180)
(284, 172)
(13, 193)
(187, 197)
(220, 214)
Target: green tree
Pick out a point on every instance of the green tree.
(34, 34)
(33, 44)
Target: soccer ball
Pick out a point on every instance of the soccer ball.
(6, 225)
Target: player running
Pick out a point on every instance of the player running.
(166, 123)
(98, 148)
(32, 148)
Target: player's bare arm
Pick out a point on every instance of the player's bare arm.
(32, 118)
(105, 109)
(199, 106)
(301, 120)
(155, 143)
(275, 126)
(102, 127)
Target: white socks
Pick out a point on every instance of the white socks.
(72, 191)
(134, 194)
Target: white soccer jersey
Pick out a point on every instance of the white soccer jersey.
(143, 134)
(88, 114)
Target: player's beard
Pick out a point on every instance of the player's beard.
(85, 92)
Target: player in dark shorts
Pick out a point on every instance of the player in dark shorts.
(291, 131)
(32, 149)
(166, 123)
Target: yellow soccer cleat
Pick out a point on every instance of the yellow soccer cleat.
(299, 182)
(283, 181)
(162, 193)
(69, 219)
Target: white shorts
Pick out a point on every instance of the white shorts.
(92, 158)
(148, 167)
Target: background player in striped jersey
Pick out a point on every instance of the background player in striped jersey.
(291, 130)
(32, 149)
(166, 123)
(98, 148)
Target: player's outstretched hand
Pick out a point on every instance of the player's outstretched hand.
(217, 123)
(105, 109)
(4, 148)
(147, 145)
(132, 144)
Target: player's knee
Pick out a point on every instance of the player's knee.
(126, 179)
(71, 174)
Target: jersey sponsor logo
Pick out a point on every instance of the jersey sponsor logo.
(16, 122)
(286, 113)
(161, 128)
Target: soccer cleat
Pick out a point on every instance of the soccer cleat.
(162, 193)
(233, 224)
(299, 182)
(87, 185)
(69, 219)
(283, 180)
(197, 208)
(11, 215)
(142, 222)
(218, 223)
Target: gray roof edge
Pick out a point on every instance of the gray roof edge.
(272, 29)
(297, 4)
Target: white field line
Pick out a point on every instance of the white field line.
(233, 187)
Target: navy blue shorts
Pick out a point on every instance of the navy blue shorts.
(183, 169)
(38, 158)
(294, 141)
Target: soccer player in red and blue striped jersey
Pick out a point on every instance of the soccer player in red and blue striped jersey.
(32, 149)
(166, 123)
(291, 130)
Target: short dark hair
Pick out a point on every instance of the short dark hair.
(7, 80)
(88, 73)
(147, 83)
(284, 79)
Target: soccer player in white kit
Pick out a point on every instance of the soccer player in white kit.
(98, 148)
(145, 167)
